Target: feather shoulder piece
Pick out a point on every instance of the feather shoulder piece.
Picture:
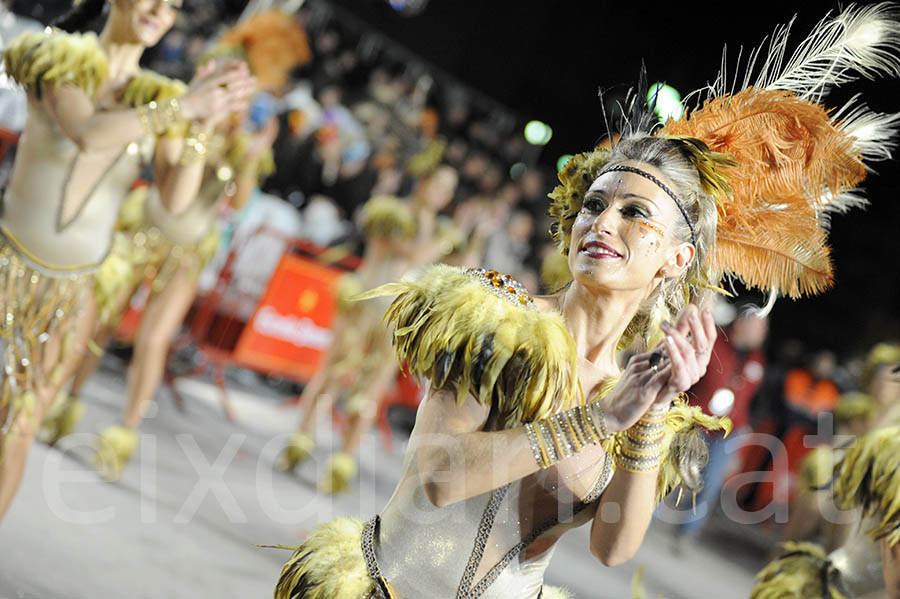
(802, 570)
(868, 476)
(35, 59)
(480, 332)
(149, 86)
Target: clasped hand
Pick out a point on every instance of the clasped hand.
(652, 378)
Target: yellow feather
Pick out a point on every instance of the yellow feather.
(34, 59)
(797, 574)
(328, 565)
(450, 327)
(868, 476)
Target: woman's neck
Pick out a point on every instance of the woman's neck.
(597, 319)
(123, 58)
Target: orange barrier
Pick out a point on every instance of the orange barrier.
(290, 329)
(282, 330)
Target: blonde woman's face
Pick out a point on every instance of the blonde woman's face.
(623, 237)
(143, 22)
(439, 188)
(885, 386)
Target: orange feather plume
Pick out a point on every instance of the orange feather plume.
(274, 43)
(792, 159)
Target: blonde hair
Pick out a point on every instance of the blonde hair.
(693, 172)
(879, 355)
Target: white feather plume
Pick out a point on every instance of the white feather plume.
(873, 133)
(858, 42)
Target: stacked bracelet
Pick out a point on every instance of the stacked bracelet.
(641, 448)
(159, 117)
(195, 147)
(562, 435)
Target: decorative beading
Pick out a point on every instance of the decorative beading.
(504, 286)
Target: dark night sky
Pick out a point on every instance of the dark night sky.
(546, 60)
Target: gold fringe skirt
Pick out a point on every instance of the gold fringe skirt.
(363, 346)
(36, 303)
(140, 252)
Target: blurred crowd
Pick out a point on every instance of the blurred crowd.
(788, 402)
(364, 118)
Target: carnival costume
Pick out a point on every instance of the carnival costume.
(867, 478)
(54, 231)
(361, 344)
(159, 243)
(155, 243)
(774, 161)
(860, 475)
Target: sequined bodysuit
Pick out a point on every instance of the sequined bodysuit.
(58, 218)
(491, 546)
(859, 560)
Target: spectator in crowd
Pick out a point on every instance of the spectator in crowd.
(733, 377)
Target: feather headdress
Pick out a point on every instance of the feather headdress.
(798, 161)
(272, 42)
(793, 162)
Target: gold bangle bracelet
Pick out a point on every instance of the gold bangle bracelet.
(562, 435)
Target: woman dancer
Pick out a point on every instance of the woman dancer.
(172, 248)
(401, 236)
(179, 246)
(387, 224)
(434, 241)
(865, 560)
(500, 463)
(93, 118)
(856, 413)
(867, 564)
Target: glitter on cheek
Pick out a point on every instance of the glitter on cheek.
(649, 225)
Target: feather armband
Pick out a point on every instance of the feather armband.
(480, 332)
(36, 58)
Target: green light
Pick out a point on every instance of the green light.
(517, 170)
(563, 161)
(668, 101)
(538, 133)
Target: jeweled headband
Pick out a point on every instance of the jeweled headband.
(661, 185)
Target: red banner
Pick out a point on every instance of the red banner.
(290, 330)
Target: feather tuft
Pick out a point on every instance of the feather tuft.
(861, 41)
(456, 330)
(803, 570)
(328, 565)
(868, 477)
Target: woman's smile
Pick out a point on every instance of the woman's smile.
(596, 249)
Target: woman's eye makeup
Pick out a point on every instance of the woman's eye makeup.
(597, 203)
(652, 226)
(594, 204)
